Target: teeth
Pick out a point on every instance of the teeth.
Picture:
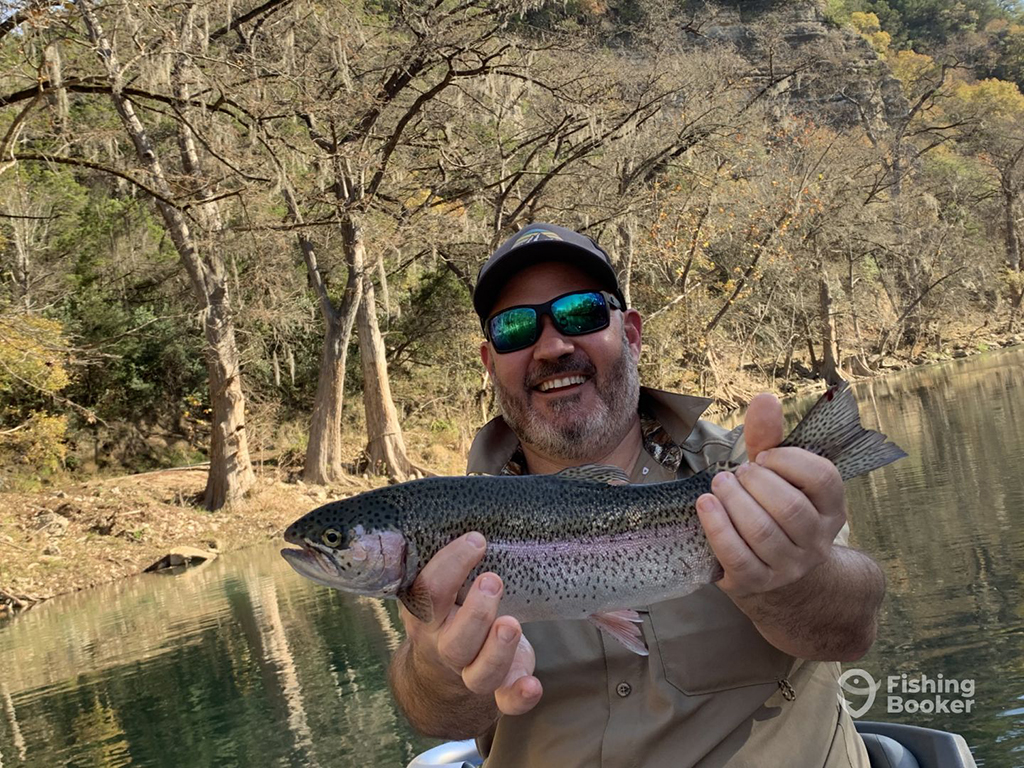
(555, 383)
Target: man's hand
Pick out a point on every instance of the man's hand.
(469, 642)
(774, 520)
(772, 525)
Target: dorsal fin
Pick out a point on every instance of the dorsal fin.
(733, 436)
(595, 473)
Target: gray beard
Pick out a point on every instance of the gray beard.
(589, 435)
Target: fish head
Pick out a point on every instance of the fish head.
(342, 548)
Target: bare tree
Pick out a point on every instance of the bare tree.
(231, 473)
(393, 88)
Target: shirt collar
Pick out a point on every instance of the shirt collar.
(667, 419)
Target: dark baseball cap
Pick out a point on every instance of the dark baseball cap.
(533, 244)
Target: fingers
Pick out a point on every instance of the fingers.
(448, 570)
(762, 426)
(493, 654)
(488, 671)
(519, 698)
(815, 476)
(754, 522)
(766, 500)
(744, 571)
(461, 638)
(767, 529)
(520, 690)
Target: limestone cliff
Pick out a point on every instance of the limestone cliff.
(832, 71)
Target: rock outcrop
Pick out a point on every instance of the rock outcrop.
(816, 66)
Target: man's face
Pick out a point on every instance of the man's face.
(593, 408)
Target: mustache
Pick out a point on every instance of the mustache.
(575, 363)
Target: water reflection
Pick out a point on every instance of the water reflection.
(241, 662)
(237, 663)
(947, 524)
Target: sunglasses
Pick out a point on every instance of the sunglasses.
(573, 314)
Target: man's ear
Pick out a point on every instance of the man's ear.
(485, 355)
(632, 325)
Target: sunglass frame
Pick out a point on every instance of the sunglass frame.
(611, 302)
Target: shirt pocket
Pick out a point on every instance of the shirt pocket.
(705, 644)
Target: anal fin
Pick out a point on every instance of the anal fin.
(416, 599)
(623, 626)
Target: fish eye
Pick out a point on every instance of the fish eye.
(331, 537)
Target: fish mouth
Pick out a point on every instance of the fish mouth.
(313, 565)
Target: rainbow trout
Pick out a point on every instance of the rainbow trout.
(580, 544)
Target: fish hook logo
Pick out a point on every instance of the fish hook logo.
(870, 690)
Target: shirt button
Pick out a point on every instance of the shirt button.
(623, 689)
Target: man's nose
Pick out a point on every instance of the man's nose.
(551, 344)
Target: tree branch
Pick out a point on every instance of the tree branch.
(82, 163)
(90, 85)
(268, 7)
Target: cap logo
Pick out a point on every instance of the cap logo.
(535, 236)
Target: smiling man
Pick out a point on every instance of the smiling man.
(742, 672)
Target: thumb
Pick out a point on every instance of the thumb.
(762, 426)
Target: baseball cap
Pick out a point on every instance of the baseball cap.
(535, 243)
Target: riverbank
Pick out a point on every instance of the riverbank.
(86, 534)
(73, 537)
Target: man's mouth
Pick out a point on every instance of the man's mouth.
(561, 384)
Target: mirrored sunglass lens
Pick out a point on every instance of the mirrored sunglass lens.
(513, 328)
(580, 312)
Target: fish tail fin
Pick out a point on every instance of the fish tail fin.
(832, 429)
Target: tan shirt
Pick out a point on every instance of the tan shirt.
(713, 692)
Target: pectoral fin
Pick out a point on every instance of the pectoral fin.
(623, 626)
(416, 598)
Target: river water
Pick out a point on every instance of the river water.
(243, 663)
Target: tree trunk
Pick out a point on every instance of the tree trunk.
(829, 352)
(1010, 223)
(231, 473)
(861, 360)
(809, 339)
(626, 254)
(323, 454)
(322, 464)
(385, 448)
(21, 268)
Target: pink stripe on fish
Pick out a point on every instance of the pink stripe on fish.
(642, 539)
